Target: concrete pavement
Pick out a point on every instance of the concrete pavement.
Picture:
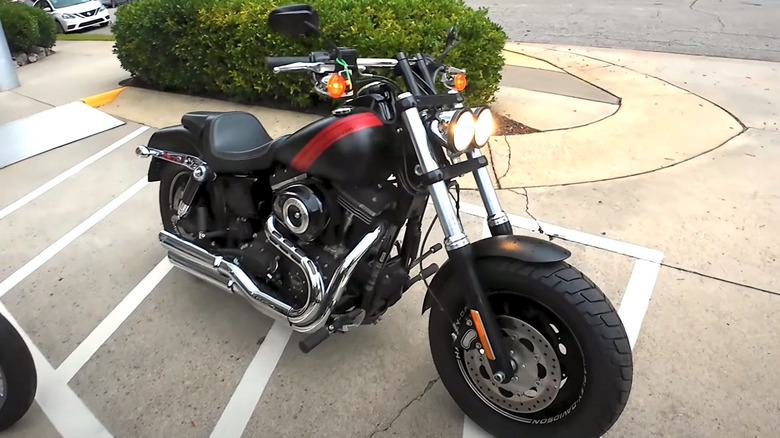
(705, 356)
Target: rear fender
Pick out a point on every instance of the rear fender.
(523, 248)
(173, 139)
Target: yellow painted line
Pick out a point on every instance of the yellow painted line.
(102, 98)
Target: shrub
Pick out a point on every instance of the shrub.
(47, 30)
(219, 46)
(25, 27)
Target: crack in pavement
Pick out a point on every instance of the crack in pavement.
(712, 277)
(712, 14)
(418, 398)
(528, 210)
(508, 163)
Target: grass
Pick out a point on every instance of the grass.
(84, 37)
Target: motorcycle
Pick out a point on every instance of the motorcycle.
(307, 227)
(18, 378)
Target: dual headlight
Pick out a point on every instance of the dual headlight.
(467, 127)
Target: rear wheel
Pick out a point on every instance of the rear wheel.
(173, 179)
(18, 379)
(574, 361)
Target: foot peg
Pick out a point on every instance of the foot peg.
(314, 340)
(341, 324)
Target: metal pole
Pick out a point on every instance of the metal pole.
(8, 78)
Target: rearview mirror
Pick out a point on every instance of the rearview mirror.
(452, 37)
(294, 20)
(46, 9)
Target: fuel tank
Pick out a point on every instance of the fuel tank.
(357, 148)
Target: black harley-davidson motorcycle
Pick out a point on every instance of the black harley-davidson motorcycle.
(18, 378)
(307, 227)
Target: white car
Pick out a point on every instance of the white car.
(73, 15)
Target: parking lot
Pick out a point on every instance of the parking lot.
(128, 346)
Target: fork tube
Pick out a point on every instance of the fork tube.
(498, 222)
(458, 248)
(453, 230)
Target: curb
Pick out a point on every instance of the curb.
(99, 99)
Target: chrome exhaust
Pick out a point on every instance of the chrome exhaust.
(230, 277)
(222, 273)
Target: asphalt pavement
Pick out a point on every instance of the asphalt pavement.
(728, 28)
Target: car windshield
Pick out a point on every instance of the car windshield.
(58, 4)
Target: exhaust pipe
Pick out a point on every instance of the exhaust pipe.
(230, 277)
(222, 273)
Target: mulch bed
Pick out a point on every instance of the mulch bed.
(507, 126)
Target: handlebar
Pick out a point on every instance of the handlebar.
(278, 61)
(282, 64)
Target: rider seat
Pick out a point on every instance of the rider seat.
(230, 142)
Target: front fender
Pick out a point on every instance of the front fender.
(523, 248)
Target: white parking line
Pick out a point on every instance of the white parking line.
(625, 248)
(636, 299)
(44, 256)
(73, 363)
(68, 173)
(67, 413)
(248, 392)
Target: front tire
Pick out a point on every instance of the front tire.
(559, 324)
(18, 379)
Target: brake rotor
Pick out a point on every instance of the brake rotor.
(537, 377)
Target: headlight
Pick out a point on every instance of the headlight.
(460, 130)
(68, 16)
(484, 127)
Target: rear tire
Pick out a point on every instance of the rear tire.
(581, 329)
(173, 178)
(18, 379)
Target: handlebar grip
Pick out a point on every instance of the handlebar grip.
(276, 61)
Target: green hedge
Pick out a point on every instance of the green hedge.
(219, 46)
(25, 27)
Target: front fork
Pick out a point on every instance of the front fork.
(457, 244)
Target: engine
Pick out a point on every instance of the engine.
(324, 222)
(301, 210)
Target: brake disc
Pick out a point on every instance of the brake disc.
(537, 378)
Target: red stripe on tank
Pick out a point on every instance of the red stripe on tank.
(333, 133)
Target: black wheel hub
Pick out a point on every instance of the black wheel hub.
(549, 368)
(537, 372)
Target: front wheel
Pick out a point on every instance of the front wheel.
(574, 364)
(18, 379)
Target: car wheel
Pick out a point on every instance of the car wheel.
(59, 27)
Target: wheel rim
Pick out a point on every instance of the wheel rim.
(174, 196)
(3, 388)
(560, 380)
(535, 384)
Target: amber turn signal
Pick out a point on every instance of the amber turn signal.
(336, 86)
(459, 82)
